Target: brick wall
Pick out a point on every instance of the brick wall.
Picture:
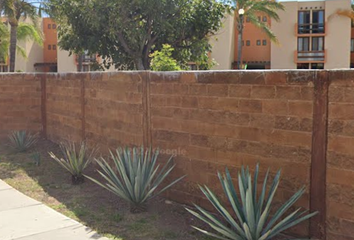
(223, 120)
(20, 103)
(340, 157)
(210, 120)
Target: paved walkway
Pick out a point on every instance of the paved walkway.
(23, 218)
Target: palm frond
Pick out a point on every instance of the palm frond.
(21, 51)
(264, 27)
(26, 31)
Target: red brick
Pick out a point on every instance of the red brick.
(240, 91)
(250, 106)
(263, 92)
(301, 108)
(275, 107)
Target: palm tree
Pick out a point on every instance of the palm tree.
(13, 10)
(249, 9)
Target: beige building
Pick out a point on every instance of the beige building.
(311, 36)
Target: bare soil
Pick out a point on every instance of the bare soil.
(90, 204)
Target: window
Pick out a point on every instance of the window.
(352, 45)
(303, 44)
(264, 42)
(303, 66)
(317, 66)
(49, 47)
(248, 19)
(317, 44)
(54, 47)
(264, 18)
(248, 43)
(304, 22)
(54, 26)
(318, 21)
(49, 26)
(258, 42)
(243, 43)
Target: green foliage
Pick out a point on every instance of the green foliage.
(136, 174)
(253, 8)
(163, 60)
(4, 43)
(75, 160)
(13, 11)
(252, 220)
(21, 141)
(36, 156)
(126, 32)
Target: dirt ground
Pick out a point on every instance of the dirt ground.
(90, 204)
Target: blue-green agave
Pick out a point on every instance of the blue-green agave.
(136, 174)
(21, 141)
(251, 218)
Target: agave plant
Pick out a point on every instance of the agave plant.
(21, 141)
(75, 161)
(136, 176)
(251, 218)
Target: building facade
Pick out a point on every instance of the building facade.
(311, 35)
(49, 57)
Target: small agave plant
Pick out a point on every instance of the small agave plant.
(251, 218)
(75, 160)
(21, 141)
(136, 176)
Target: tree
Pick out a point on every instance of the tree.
(14, 10)
(163, 60)
(25, 32)
(126, 32)
(249, 9)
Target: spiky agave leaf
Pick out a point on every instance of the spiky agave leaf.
(135, 175)
(253, 221)
(75, 162)
(22, 140)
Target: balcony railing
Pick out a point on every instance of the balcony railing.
(310, 56)
(311, 28)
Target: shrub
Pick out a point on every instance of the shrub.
(252, 220)
(36, 156)
(75, 161)
(136, 176)
(21, 141)
(163, 60)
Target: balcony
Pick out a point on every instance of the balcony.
(310, 56)
(311, 29)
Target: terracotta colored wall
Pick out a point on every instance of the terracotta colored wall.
(340, 175)
(253, 52)
(221, 119)
(64, 107)
(210, 120)
(50, 38)
(20, 103)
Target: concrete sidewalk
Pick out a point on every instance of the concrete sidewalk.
(23, 218)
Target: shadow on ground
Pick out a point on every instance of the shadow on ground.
(89, 203)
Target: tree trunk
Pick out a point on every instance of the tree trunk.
(139, 64)
(13, 44)
(239, 50)
(239, 43)
(80, 60)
